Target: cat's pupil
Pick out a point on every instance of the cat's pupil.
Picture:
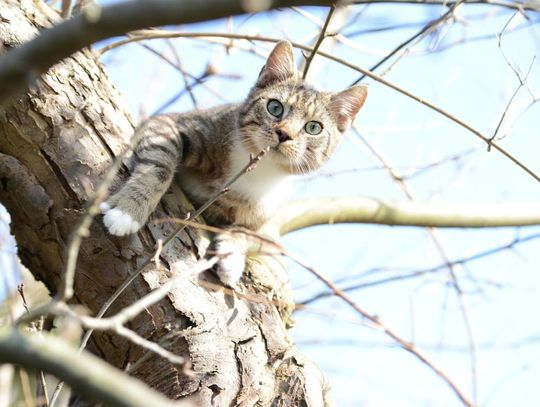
(313, 127)
(274, 107)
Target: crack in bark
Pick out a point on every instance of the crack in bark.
(100, 137)
(55, 168)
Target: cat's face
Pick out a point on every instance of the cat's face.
(302, 126)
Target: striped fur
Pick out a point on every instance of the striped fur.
(205, 149)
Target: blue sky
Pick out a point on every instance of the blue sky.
(471, 80)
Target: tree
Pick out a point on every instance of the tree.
(59, 140)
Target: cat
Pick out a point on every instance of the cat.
(206, 148)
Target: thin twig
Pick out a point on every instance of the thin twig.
(377, 323)
(442, 252)
(319, 41)
(81, 231)
(516, 5)
(431, 26)
(26, 387)
(148, 345)
(43, 387)
(184, 74)
(419, 273)
(40, 376)
(407, 172)
(522, 80)
(197, 80)
(66, 9)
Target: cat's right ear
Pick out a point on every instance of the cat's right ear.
(279, 66)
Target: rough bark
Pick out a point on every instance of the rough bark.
(56, 142)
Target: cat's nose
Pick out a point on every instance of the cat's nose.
(283, 136)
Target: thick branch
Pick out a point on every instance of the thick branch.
(326, 211)
(87, 374)
(21, 66)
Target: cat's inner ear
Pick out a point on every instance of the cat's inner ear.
(345, 105)
(279, 66)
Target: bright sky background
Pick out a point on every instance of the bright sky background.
(471, 80)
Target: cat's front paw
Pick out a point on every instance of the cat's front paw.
(118, 222)
(232, 263)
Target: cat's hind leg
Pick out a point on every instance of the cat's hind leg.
(232, 249)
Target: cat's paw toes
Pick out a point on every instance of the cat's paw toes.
(120, 223)
(231, 266)
(104, 207)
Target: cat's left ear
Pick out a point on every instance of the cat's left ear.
(346, 104)
(279, 66)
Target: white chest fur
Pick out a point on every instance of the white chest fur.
(267, 186)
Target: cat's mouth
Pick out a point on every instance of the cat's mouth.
(285, 152)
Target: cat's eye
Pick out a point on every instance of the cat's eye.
(274, 107)
(313, 128)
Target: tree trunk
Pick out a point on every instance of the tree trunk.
(56, 142)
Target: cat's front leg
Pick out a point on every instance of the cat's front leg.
(155, 158)
(231, 247)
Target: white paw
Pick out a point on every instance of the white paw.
(119, 223)
(232, 265)
(104, 207)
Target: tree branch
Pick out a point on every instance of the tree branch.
(517, 5)
(21, 66)
(90, 376)
(326, 211)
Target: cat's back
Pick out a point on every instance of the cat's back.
(214, 124)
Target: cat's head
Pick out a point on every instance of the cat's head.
(302, 126)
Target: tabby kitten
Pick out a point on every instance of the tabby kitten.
(300, 125)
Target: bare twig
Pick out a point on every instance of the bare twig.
(419, 273)
(41, 390)
(377, 323)
(81, 231)
(189, 87)
(185, 75)
(407, 172)
(429, 27)
(322, 36)
(26, 387)
(43, 393)
(522, 80)
(516, 5)
(148, 345)
(66, 9)
(433, 234)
